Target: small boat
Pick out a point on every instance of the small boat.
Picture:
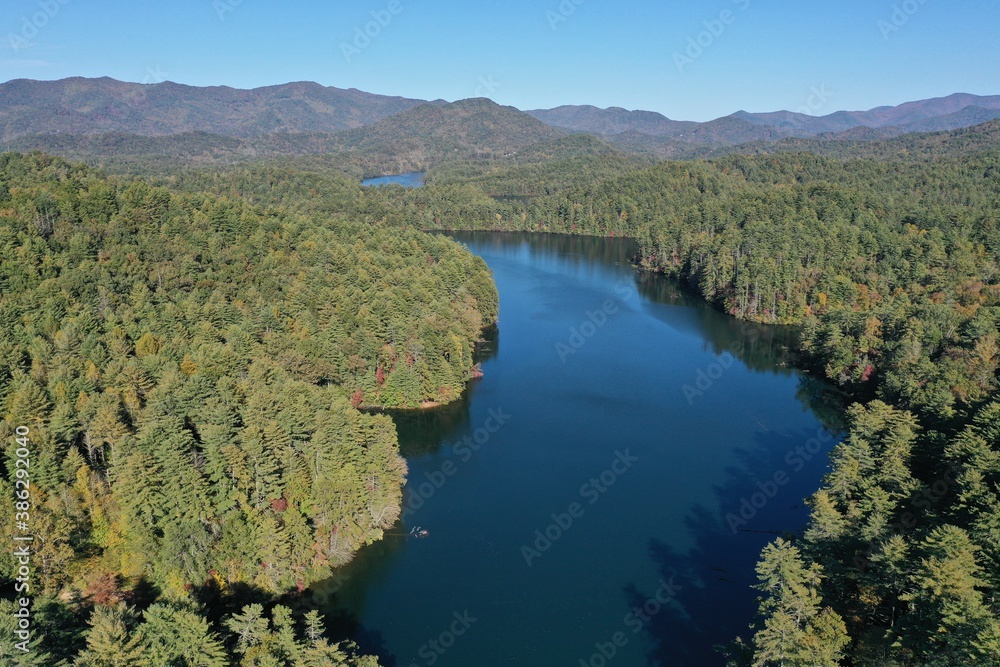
(417, 531)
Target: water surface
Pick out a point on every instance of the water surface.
(413, 179)
(627, 424)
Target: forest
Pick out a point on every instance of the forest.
(195, 376)
(197, 353)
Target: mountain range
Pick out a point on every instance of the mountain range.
(93, 106)
(104, 116)
(943, 113)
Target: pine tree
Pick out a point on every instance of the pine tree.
(112, 640)
(948, 615)
(176, 636)
(249, 628)
(27, 404)
(797, 632)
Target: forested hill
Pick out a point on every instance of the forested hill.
(415, 139)
(188, 369)
(431, 134)
(93, 106)
(223, 324)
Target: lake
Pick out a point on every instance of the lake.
(413, 179)
(601, 495)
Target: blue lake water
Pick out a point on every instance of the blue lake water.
(604, 490)
(413, 179)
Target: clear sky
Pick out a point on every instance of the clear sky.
(757, 55)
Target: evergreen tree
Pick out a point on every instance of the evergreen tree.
(949, 622)
(112, 640)
(176, 636)
(797, 631)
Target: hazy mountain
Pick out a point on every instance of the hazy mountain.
(880, 143)
(186, 146)
(614, 120)
(911, 116)
(580, 144)
(967, 117)
(665, 148)
(92, 106)
(630, 127)
(82, 118)
(791, 123)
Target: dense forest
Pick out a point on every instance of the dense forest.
(888, 264)
(190, 372)
(193, 352)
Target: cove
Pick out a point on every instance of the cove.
(601, 495)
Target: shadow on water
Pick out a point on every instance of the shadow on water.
(425, 431)
(764, 347)
(720, 566)
(223, 602)
(420, 432)
(347, 589)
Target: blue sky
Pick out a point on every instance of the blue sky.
(692, 60)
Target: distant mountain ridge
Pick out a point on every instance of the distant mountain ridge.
(943, 113)
(94, 106)
(97, 115)
(611, 121)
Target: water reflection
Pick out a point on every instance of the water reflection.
(424, 431)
